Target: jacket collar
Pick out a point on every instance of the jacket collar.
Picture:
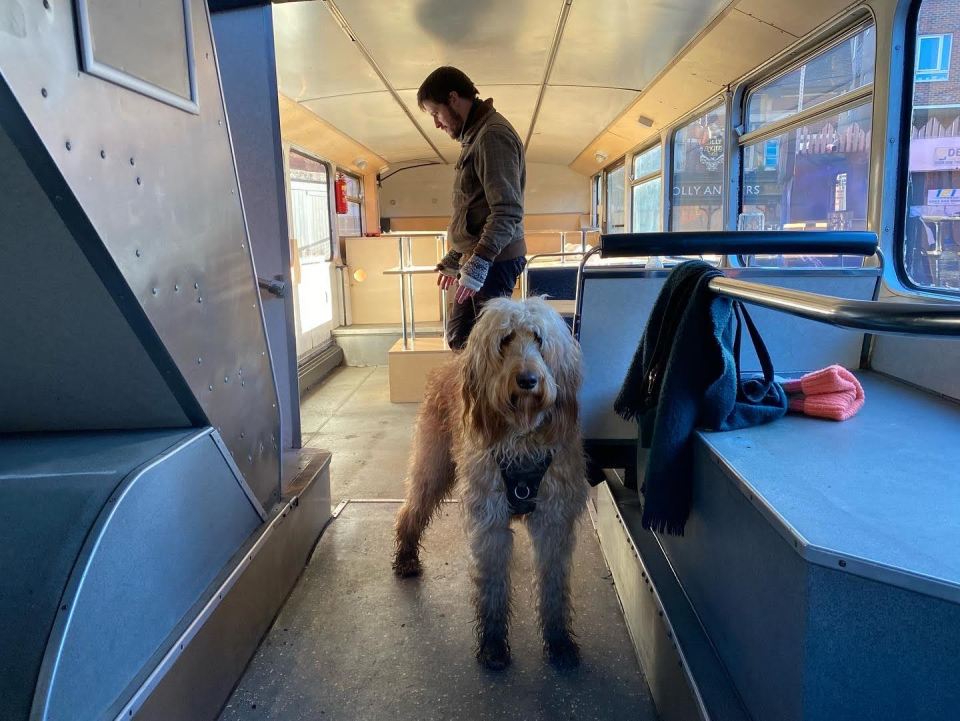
(479, 114)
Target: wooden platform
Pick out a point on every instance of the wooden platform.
(410, 367)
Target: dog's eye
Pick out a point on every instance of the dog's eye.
(536, 337)
(505, 341)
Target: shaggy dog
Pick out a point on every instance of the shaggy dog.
(497, 418)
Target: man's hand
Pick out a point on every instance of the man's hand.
(463, 293)
(445, 281)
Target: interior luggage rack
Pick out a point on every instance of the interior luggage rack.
(888, 317)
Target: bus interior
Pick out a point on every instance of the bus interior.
(219, 226)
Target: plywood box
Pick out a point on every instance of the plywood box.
(410, 368)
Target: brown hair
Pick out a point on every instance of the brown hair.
(443, 81)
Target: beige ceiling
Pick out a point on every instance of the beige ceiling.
(357, 64)
(607, 53)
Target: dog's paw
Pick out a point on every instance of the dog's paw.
(407, 566)
(563, 653)
(494, 655)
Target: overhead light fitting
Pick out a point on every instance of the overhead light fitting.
(360, 163)
(600, 156)
(645, 121)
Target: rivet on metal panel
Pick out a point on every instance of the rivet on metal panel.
(206, 55)
(46, 4)
(200, 299)
(43, 92)
(69, 146)
(843, 564)
(243, 246)
(132, 161)
(63, 607)
(210, 386)
(219, 122)
(155, 291)
(249, 459)
(243, 435)
(139, 181)
(243, 384)
(226, 379)
(103, 154)
(138, 252)
(197, 286)
(176, 288)
(199, 360)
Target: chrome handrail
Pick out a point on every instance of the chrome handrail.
(888, 317)
(524, 282)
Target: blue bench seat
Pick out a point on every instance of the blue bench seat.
(823, 559)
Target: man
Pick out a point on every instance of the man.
(486, 230)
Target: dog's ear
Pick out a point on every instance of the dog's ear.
(564, 358)
(475, 375)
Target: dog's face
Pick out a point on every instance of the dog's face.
(521, 371)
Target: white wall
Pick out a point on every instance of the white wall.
(427, 191)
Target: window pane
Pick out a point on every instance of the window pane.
(351, 223)
(834, 72)
(647, 162)
(646, 206)
(698, 173)
(615, 218)
(928, 53)
(353, 185)
(930, 250)
(310, 205)
(818, 180)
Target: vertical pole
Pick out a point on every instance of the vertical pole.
(413, 325)
(403, 298)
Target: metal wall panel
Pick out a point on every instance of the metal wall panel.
(159, 188)
(52, 489)
(249, 75)
(931, 363)
(69, 360)
(161, 540)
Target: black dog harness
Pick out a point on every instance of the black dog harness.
(522, 479)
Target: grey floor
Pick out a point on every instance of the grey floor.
(354, 642)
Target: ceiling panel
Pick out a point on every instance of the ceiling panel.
(315, 58)
(755, 41)
(495, 42)
(570, 118)
(514, 102)
(796, 18)
(376, 120)
(625, 43)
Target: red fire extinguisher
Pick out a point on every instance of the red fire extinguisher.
(340, 193)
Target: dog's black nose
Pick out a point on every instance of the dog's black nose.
(527, 381)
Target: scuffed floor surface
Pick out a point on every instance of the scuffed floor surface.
(354, 642)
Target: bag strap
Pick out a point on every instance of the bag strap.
(766, 365)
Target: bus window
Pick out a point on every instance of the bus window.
(698, 173)
(930, 252)
(614, 219)
(646, 190)
(812, 174)
(351, 222)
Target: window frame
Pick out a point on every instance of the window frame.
(358, 199)
(717, 101)
(621, 162)
(899, 243)
(331, 169)
(942, 72)
(858, 97)
(646, 178)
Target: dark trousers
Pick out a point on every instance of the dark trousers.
(500, 282)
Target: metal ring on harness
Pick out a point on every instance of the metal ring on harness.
(526, 492)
